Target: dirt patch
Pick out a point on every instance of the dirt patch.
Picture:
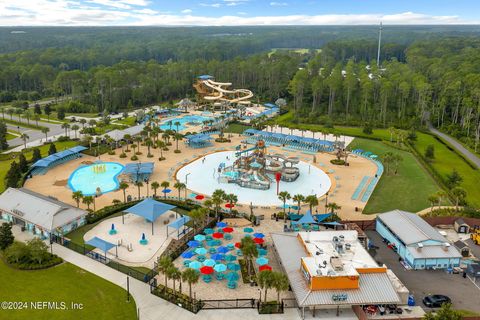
(87, 162)
(60, 183)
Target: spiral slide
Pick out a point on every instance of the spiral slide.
(221, 93)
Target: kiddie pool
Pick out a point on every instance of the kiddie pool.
(87, 178)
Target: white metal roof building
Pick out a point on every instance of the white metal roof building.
(324, 272)
(38, 213)
(417, 242)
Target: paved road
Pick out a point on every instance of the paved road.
(55, 130)
(460, 148)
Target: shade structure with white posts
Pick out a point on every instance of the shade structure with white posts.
(150, 209)
(102, 245)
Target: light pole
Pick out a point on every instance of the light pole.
(186, 178)
(128, 289)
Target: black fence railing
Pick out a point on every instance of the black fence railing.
(175, 297)
(229, 304)
(82, 249)
(289, 303)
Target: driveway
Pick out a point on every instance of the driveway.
(474, 248)
(460, 148)
(463, 293)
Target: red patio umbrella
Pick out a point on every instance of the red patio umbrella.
(265, 267)
(206, 270)
(199, 197)
(229, 205)
(217, 235)
(227, 229)
(258, 240)
(238, 245)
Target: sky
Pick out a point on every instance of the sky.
(236, 12)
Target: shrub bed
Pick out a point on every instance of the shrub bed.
(338, 162)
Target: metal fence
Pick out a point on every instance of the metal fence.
(176, 298)
(229, 304)
(82, 249)
(270, 307)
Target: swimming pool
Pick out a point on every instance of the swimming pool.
(184, 121)
(101, 175)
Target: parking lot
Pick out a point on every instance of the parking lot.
(464, 294)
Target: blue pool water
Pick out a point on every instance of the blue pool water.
(184, 122)
(100, 175)
(231, 174)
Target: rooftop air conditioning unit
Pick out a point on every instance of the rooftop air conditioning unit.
(336, 263)
(348, 246)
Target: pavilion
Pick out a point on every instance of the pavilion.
(180, 225)
(295, 142)
(102, 245)
(200, 140)
(139, 171)
(43, 165)
(150, 209)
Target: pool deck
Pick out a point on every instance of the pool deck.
(344, 179)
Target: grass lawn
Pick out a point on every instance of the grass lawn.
(130, 121)
(10, 136)
(67, 283)
(6, 159)
(408, 190)
(236, 128)
(446, 159)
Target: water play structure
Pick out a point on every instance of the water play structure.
(99, 168)
(252, 168)
(95, 179)
(213, 91)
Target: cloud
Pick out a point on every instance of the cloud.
(97, 13)
(187, 11)
(278, 4)
(212, 5)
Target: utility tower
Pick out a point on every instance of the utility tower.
(379, 44)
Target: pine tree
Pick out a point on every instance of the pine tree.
(52, 149)
(6, 236)
(22, 163)
(13, 176)
(36, 155)
(3, 136)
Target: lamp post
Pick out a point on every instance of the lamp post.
(186, 178)
(128, 289)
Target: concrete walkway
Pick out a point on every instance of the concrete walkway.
(460, 148)
(152, 307)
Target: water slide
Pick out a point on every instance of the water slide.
(241, 96)
(261, 179)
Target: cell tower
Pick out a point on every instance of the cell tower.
(379, 44)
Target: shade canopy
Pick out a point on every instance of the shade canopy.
(199, 237)
(306, 219)
(180, 222)
(334, 223)
(221, 224)
(321, 217)
(195, 265)
(262, 261)
(265, 267)
(47, 161)
(187, 254)
(209, 262)
(100, 244)
(193, 243)
(220, 267)
(150, 209)
(222, 249)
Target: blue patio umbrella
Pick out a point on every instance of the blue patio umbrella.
(262, 252)
(222, 249)
(262, 261)
(187, 254)
(192, 195)
(195, 265)
(209, 262)
(220, 267)
(230, 257)
(193, 243)
(199, 237)
(233, 266)
(201, 251)
(217, 256)
(166, 190)
(208, 231)
(256, 235)
(221, 224)
(231, 246)
(211, 243)
(248, 230)
(294, 207)
(232, 276)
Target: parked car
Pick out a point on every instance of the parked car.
(436, 300)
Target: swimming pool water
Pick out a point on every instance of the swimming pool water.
(85, 179)
(184, 121)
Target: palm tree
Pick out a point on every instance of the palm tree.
(176, 124)
(265, 281)
(459, 194)
(82, 122)
(312, 201)
(45, 131)
(161, 145)
(87, 200)
(127, 139)
(175, 274)
(36, 117)
(149, 144)
(165, 185)
(177, 138)
(179, 186)
(138, 184)
(65, 126)
(24, 137)
(387, 158)
(218, 197)
(280, 283)
(75, 129)
(138, 139)
(10, 112)
(441, 195)
(298, 198)
(164, 264)
(155, 186)
(166, 137)
(77, 196)
(433, 199)
(190, 276)
(284, 196)
(124, 186)
(198, 216)
(249, 250)
(232, 199)
(334, 208)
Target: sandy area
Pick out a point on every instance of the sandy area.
(344, 179)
